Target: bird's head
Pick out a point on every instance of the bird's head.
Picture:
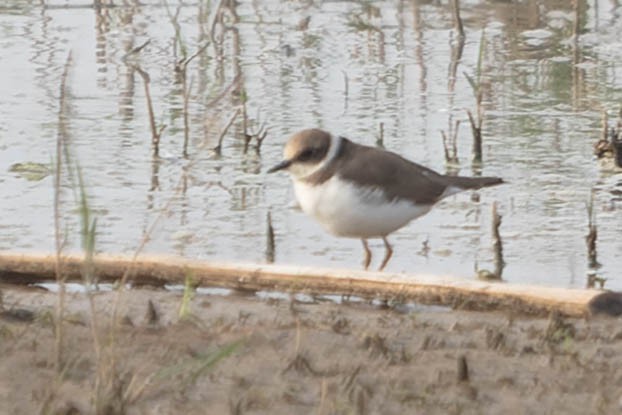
(304, 153)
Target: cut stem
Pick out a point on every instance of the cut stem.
(155, 132)
(476, 130)
(497, 243)
(592, 236)
(218, 148)
(457, 18)
(270, 248)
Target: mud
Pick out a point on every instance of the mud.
(247, 355)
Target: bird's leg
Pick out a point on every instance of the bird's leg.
(388, 253)
(367, 259)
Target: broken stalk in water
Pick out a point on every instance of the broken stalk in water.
(450, 146)
(261, 135)
(457, 18)
(247, 137)
(181, 68)
(380, 139)
(592, 236)
(270, 248)
(476, 85)
(156, 132)
(497, 243)
(218, 148)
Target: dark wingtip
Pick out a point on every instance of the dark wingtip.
(479, 182)
(474, 182)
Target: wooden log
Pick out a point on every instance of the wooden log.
(426, 289)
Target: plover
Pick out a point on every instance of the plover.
(364, 192)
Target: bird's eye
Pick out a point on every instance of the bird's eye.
(306, 155)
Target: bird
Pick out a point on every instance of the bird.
(363, 192)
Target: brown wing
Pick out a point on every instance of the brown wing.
(400, 178)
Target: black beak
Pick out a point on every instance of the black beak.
(282, 165)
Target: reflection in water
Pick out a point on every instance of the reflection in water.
(102, 27)
(547, 71)
(419, 57)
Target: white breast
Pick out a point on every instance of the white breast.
(347, 210)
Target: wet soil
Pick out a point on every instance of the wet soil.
(245, 355)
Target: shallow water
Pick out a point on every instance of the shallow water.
(542, 106)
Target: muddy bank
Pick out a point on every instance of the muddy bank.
(240, 355)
